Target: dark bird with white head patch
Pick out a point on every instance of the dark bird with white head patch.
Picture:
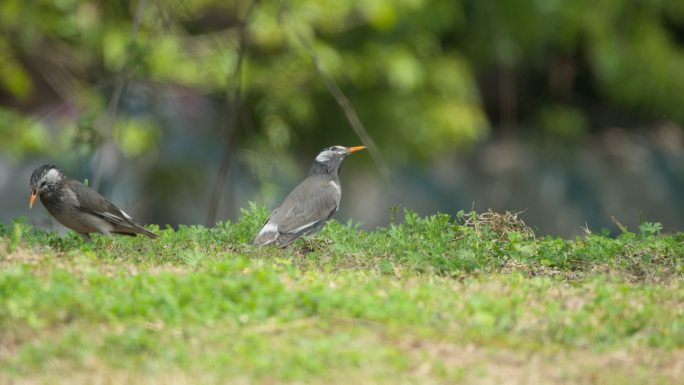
(307, 208)
(79, 207)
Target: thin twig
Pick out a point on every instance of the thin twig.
(619, 224)
(347, 107)
(108, 124)
(234, 106)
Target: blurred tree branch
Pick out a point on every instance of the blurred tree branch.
(345, 104)
(234, 106)
(107, 125)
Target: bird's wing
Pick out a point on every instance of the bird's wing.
(314, 200)
(91, 202)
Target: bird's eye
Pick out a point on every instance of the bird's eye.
(42, 184)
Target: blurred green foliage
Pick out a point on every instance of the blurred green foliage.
(415, 69)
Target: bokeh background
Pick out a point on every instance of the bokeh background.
(569, 110)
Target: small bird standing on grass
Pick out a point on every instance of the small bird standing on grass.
(79, 207)
(307, 208)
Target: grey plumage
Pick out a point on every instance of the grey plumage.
(79, 207)
(306, 209)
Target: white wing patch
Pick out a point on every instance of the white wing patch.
(268, 228)
(113, 217)
(298, 229)
(126, 215)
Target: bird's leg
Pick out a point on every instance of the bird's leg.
(86, 237)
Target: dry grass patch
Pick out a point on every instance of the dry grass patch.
(501, 224)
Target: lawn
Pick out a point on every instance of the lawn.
(474, 299)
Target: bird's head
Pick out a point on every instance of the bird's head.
(44, 179)
(330, 159)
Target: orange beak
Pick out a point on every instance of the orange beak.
(32, 200)
(355, 149)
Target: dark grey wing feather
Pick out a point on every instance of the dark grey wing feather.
(313, 201)
(95, 204)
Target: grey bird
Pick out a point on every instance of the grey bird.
(79, 207)
(306, 209)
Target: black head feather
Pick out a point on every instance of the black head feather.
(46, 177)
(329, 160)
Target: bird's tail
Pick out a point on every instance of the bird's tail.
(144, 231)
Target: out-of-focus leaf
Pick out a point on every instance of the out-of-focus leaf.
(405, 72)
(563, 123)
(137, 136)
(20, 135)
(13, 77)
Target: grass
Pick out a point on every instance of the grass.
(473, 299)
